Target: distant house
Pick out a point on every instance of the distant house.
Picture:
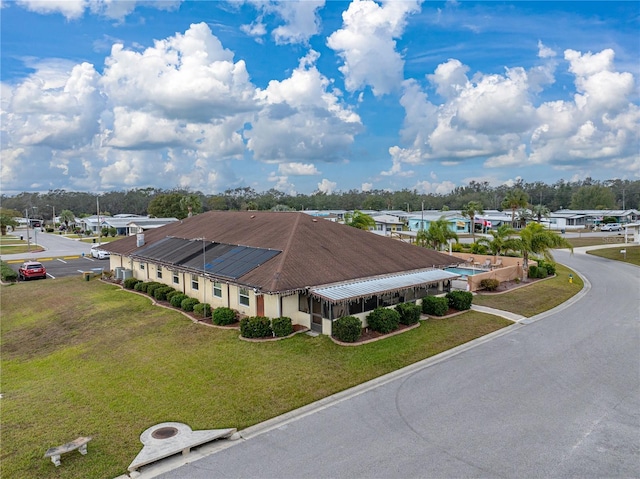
(283, 264)
(457, 223)
(563, 219)
(125, 224)
(386, 224)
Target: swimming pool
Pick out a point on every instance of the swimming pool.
(465, 271)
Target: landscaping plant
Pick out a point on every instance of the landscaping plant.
(383, 320)
(347, 329)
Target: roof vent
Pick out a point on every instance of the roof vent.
(253, 216)
(314, 220)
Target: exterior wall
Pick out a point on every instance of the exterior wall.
(290, 309)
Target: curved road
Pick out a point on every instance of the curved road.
(557, 397)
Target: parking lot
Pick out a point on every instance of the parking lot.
(60, 267)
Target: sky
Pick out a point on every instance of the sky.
(316, 95)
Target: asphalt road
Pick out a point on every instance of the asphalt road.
(558, 397)
(62, 256)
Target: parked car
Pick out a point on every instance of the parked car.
(30, 270)
(96, 252)
(611, 227)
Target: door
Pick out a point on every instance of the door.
(259, 305)
(316, 315)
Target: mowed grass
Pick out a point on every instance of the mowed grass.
(632, 254)
(535, 298)
(90, 359)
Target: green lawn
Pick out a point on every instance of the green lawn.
(632, 254)
(526, 301)
(88, 358)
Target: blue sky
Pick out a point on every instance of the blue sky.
(307, 96)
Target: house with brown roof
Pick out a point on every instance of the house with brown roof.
(278, 264)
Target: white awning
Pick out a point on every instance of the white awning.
(377, 285)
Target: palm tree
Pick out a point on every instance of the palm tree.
(359, 220)
(470, 210)
(515, 199)
(535, 239)
(540, 211)
(438, 234)
(502, 240)
(67, 216)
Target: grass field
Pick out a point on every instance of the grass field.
(526, 300)
(632, 254)
(88, 358)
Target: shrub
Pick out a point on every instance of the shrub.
(477, 248)
(435, 305)
(8, 274)
(255, 327)
(171, 294)
(161, 293)
(202, 309)
(409, 313)
(224, 316)
(347, 329)
(537, 272)
(282, 326)
(144, 287)
(130, 283)
(137, 285)
(383, 320)
(187, 304)
(176, 299)
(460, 300)
(151, 287)
(489, 284)
(456, 248)
(548, 265)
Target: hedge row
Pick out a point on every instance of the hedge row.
(263, 327)
(8, 275)
(439, 305)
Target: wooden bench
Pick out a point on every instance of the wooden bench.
(80, 444)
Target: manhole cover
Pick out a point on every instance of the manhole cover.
(164, 433)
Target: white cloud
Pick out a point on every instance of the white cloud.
(367, 44)
(366, 186)
(302, 118)
(74, 9)
(300, 17)
(425, 187)
(190, 76)
(326, 186)
(298, 169)
(493, 117)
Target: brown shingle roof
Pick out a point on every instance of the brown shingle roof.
(314, 251)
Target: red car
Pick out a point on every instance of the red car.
(31, 269)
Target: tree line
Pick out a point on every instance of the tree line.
(179, 203)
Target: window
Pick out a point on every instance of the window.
(217, 289)
(142, 266)
(159, 272)
(176, 278)
(303, 303)
(244, 296)
(194, 282)
(355, 307)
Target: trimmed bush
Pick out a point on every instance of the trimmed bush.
(171, 294)
(456, 247)
(224, 316)
(187, 304)
(202, 309)
(460, 300)
(130, 283)
(282, 326)
(489, 284)
(409, 313)
(347, 329)
(8, 274)
(255, 327)
(435, 305)
(176, 299)
(151, 287)
(477, 248)
(548, 265)
(383, 320)
(161, 293)
(144, 287)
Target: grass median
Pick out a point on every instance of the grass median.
(90, 359)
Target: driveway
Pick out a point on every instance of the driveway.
(557, 397)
